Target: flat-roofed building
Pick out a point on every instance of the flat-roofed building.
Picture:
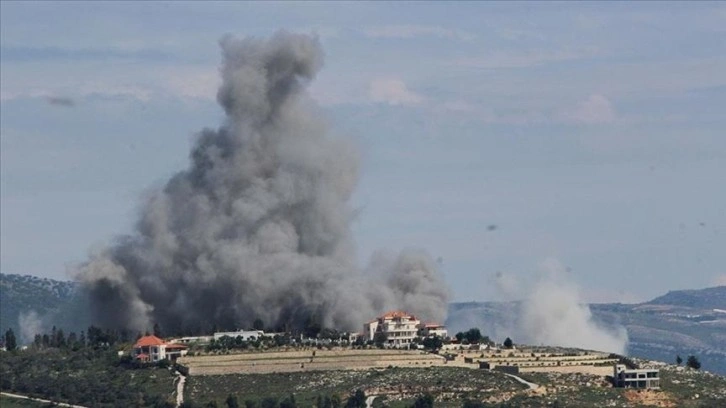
(624, 377)
(244, 334)
(432, 329)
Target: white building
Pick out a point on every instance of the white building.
(245, 334)
(192, 340)
(432, 329)
(640, 378)
(400, 328)
(152, 348)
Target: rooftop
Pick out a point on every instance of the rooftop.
(395, 314)
(149, 341)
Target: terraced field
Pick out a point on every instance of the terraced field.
(533, 360)
(307, 360)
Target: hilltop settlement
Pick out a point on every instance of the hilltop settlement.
(396, 360)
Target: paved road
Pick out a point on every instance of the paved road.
(180, 389)
(532, 386)
(60, 404)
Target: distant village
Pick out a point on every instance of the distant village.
(399, 338)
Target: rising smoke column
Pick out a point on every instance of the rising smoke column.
(258, 226)
(550, 312)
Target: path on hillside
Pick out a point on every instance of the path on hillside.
(369, 401)
(532, 386)
(180, 389)
(45, 401)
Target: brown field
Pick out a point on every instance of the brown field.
(294, 361)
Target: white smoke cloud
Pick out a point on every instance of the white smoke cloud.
(554, 314)
(549, 311)
(393, 92)
(30, 324)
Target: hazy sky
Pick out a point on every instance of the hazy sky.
(498, 136)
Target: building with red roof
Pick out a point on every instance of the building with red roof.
(399, 328)
(152, 348)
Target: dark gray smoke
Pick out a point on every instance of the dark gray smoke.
(259, 225)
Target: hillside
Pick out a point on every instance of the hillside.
(43, 302)
(678, 323)
(709, 298)
(457, 385)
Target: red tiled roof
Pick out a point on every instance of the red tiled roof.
(142, 356)
(149, 341)
(397, 314)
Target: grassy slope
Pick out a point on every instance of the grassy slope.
(306, 386)
(7, 402)
(451, 386)
(85, 377)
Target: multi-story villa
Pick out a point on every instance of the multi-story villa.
(400, 328)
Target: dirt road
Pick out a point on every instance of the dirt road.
(58, 404)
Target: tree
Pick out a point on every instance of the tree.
(231, 401)
(10, 341)
(157, 330)
(693, 363)
(473, 335)
(289, 402)
(312, 327)
(380, 339)
(269, 402)
(432, 343)
(258, 324)
(459, 336)
(424, 401)
(679, 360)
(324, 402)
(60, 339)
(357, 400)
(508, 343)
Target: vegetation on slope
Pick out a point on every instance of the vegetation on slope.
(44, 302)
(451, 385)
(709, 298)
(85, 370)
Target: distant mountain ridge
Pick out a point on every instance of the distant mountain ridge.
(708, 298)
(50, 302)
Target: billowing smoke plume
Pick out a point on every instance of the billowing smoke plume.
(555, 314)
(552, 313)
(259, 225)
